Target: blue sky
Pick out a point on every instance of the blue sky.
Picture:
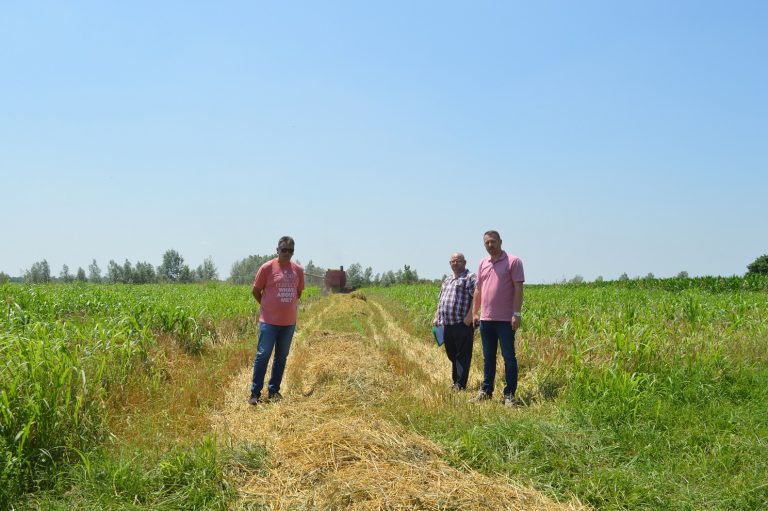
(597, 137)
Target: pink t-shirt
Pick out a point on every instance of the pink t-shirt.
(282, 287)
(494, 281)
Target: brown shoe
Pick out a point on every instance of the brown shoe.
(481, 396)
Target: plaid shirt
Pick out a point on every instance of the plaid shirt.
(456, 298)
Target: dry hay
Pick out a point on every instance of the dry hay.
(331, 447)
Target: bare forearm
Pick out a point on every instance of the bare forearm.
(476, 303)
(517, 297)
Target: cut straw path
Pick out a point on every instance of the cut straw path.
(331, 442)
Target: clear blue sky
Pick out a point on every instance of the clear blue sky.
(597, 137)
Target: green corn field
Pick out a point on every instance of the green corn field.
(638, 395)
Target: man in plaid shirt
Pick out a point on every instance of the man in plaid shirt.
(454, 312)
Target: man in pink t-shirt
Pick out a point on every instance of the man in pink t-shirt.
(277, 287)
(497, 309)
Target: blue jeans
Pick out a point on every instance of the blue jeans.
(271, 337)
(493, 334)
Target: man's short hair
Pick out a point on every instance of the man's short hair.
(286, 239)
(492, 233)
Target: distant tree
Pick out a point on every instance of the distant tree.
(65, 276)
(80, 274)
(244, 271)
(759, 265)
(368, 276)
(128, 273)
(94, 272)
(650, 276)
(144, 273)
(171, 268)
(388, 278)
(207, 270)
(409, 276)
(682, 275)
(4, 277)
(355, 275)
(40, 272)
(599, 279)
(186, 275)
(624, 277)
(114, 272)
(577, 279)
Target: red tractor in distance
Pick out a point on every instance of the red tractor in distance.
(336, 281)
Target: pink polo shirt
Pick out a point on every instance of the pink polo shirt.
(494, 281)
(282, 287)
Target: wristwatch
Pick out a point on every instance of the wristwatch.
(519, 315)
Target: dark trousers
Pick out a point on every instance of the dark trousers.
(271, 337)
(493, 334)
(458, 347)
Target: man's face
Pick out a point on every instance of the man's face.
(458, 263)
(492, 245)
(284, 251)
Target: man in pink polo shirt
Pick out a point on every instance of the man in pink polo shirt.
(277, 287)
(497, 308)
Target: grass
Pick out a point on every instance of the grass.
(641, 398)
(640, 395)
(193, 477)
(88, 372)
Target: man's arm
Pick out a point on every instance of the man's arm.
(517, 303)
(470, 311)
(257, 293)
(476, 305)
(437, 310)
(300, 288)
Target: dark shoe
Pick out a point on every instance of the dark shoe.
(275, 397)
(481, 396)
(510, 401)
(253, 400)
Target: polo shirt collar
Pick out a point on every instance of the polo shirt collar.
(501, 258)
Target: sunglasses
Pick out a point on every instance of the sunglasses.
(286, 251)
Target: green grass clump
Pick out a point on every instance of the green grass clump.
(185, 478)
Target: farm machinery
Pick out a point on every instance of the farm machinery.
(334, 281)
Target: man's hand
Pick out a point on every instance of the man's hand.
(515, 322)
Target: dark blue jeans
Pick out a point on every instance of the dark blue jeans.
(277, 338)
(493, 334)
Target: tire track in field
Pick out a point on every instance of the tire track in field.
(330, 442)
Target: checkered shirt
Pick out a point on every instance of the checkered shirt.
(456, 298)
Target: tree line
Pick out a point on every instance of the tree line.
(172, 269)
